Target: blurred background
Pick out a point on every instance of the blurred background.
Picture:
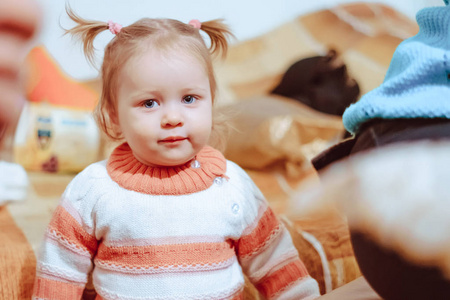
(247, 19)
(322, 54)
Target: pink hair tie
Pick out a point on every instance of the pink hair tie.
(115, 28)
(195, 23)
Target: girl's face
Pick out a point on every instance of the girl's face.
(164, 107)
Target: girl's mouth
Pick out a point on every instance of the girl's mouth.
(172, 140)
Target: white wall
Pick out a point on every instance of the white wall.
(247, 19)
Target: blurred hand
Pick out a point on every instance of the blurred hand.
(19, 21)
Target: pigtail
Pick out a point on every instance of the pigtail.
(86, 31)
(219, 33)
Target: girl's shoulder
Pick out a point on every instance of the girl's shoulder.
(95, 170)
(92, 178)
(234, 170)
(236, 174)
(249, 199)
(239, 178)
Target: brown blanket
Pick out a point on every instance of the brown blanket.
(17, 260)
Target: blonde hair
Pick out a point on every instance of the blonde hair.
(163, 33)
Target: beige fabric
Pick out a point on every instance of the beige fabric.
(276, 133)
(357, 289)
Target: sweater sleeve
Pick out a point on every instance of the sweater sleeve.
(269, 258)
(69, 245)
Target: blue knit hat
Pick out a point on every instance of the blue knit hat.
(417, 83)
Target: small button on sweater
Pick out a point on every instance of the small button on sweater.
(185, 232)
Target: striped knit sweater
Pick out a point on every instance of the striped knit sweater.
(187, 232)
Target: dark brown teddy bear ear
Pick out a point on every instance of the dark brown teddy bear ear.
(321, 82)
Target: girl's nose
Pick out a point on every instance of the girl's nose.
(172, 118)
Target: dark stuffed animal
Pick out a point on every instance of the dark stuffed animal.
(321, 82)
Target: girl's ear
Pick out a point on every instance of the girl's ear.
(112, 113)
(114, 121)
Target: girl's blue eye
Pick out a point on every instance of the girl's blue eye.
(150, 104)
(189, 99)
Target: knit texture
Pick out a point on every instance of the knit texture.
(417, 83)
(141, 242)
(17, 260)
(131, 174)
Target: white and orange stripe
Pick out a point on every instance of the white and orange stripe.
(193, 245)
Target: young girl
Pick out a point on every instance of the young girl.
(166, 216)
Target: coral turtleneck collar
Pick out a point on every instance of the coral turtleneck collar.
(194, 176)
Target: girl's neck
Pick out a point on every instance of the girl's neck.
(195, 175)
(156, 166)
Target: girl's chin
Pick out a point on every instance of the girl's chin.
(168, 162)
(168, 156)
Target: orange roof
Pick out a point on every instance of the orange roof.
(46, 82)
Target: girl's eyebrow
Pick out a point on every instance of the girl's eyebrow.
(195, 88)
(138, 94)
(144, 93)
